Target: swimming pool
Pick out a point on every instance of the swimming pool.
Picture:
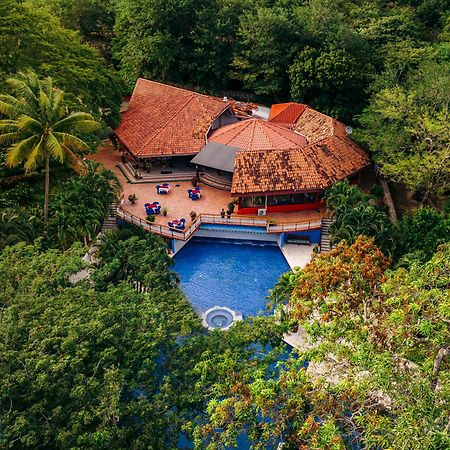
(231, 273)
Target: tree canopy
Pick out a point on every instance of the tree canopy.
(32, 38)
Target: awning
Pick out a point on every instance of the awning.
(216, 156)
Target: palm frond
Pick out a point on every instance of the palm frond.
(21, 150)
(8, 125)
(71, 141)
(26, 86)
(54, 147)
(78, 121)
(29, 123)
(34, 156)
(44, 104)
(12, 107)
(57, 99)
(13, 136)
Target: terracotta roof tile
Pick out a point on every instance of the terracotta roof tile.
(286, 114)
(256, 134)
(317, 126)
(166, 120)
(314, 167)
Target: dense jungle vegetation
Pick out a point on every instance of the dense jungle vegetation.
(100, 364)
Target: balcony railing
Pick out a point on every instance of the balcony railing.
(183, 235)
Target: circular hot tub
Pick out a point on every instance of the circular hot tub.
(219, 317)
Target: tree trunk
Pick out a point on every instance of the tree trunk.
(47, 185)
(441, 354)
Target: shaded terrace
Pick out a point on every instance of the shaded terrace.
(178, 203)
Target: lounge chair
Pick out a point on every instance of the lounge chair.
(152, 208)
(163, 188)
(177, 224)
(194, 194)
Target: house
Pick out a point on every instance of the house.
(281, 164)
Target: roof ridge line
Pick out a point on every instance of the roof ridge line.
(267, 136)
(164, 126)
(180, 88)
(289, 131)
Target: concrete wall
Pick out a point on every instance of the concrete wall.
(240, 235)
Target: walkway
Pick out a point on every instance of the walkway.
(297, 255)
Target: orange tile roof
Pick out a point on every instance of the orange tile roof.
(317, 126)
(256, 134)
(286, 114)
(314, 167)
(164, 120)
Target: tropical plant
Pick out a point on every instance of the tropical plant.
(356, 213)
(18, 225)
(421, 232)
(38, 127)
(79, 208)
(377, 344)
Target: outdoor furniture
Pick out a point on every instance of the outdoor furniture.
(163, 188)
(177, 224)
(152, 208)
(194, 194)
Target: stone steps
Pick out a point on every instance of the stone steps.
(325, 244)
(143, 177)
(215, 182)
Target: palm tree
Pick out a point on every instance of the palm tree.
(38, 127)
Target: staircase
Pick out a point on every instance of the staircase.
(110, 222)
(325, 244)
(133, 176)
(215, 182)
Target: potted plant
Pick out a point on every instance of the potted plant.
(164, 211)
(132, 198)
(193, 215)
(150, 218)
(230, 207)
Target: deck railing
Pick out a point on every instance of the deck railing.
(183, 235)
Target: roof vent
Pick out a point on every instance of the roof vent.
(225, 99)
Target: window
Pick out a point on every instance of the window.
(248, 202)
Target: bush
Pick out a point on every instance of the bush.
(422, 232)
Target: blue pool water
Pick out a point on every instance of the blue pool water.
(230, 273)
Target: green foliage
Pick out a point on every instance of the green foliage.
(266, 40)
(94, 19)
(384, 336)
(406, 126)
(355, 214)
(17, 225)
(330, 80)
(78, 363)
(32, 38)
(100, 365)
(422, 232)
(79, 207)
(39, 127)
